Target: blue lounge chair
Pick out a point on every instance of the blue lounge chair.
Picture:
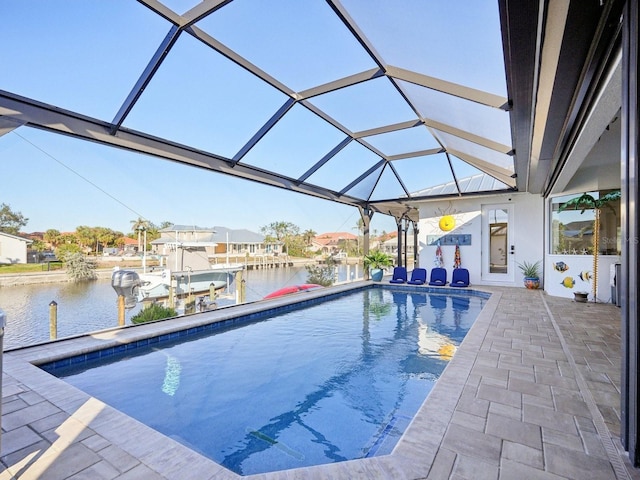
(438, 277)
(399, 275)
(418, 276)
(460, 277)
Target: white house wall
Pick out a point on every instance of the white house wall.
(528, 232)
(12, 249)
(566, 274)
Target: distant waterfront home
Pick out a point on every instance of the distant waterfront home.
(128, 245)
(242, 242)
(216, 240)
(388, 243)
(333, 243)
(13, 249)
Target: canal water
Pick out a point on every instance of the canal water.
(90, 306)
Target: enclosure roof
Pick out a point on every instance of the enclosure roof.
(375, 104)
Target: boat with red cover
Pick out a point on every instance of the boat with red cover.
(293, 289)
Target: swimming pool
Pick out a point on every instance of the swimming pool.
(334, 381)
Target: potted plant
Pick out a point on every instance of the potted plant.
(374, 263)
(531, 272)
(581, 297)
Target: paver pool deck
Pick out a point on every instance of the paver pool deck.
(533, 392)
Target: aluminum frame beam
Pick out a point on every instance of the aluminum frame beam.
(502, 174)
(460, 91)
(16, 110)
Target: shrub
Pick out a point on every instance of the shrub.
(79, 267)
(321, 275)
(155, 311)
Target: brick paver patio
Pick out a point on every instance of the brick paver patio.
(532, 393)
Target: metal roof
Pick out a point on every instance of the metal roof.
(238, 236)
(187, 228)
(211, 235)
(474, 184)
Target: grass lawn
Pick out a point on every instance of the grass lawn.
(30, 267)
(105, 262)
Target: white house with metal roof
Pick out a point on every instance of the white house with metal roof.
(216, 240)
(242, 242)
(13, 249)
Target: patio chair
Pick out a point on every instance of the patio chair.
(438, 277)
(460, 277)
(418, 276)
(399, 275)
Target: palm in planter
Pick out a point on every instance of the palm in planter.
(582, 203)
(531, 272)
(374, 263)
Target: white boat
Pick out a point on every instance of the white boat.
(184, 269)
(187, 271)
(166, 286)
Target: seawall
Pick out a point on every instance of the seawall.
(14, 279)
(59, 276)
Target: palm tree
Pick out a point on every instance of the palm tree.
(86, 236)
(106, 237)
(308, 235)
(588, 202)
(360, 228)
(138, 226)
(52, 237)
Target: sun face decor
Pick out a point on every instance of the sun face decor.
(444, 219)
(447, 223)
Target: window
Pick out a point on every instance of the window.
(498, 240)
(572, 228)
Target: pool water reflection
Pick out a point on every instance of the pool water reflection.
(334, 381)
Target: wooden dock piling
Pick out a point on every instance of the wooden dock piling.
(53, 320)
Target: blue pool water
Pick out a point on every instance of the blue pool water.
(334, 381)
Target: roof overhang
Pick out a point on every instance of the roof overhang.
(557, 53)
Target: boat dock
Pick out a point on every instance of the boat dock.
(258, 262)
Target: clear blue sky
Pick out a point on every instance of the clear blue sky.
(59, 182)
(86, 57)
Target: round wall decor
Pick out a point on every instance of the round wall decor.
(447, 222)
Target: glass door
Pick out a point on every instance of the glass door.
(498, 249)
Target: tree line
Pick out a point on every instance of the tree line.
(296, 243)
(288, 235)
(86, 239)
